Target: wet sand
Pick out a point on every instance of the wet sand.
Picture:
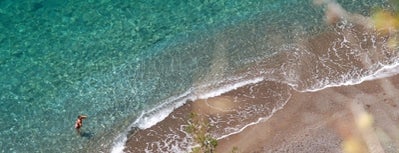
(233, 109)
(356, 118)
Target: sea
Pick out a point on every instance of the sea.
(129, 63)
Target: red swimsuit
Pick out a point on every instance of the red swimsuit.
(78, 123)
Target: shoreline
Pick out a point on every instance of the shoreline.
(220, 111)
(355, 118)
(324, 120)
(329, 119)
(355, 115)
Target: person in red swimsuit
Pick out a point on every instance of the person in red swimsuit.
(79, 123)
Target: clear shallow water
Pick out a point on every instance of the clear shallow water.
(112, 60)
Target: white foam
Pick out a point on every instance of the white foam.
(150, 118)
(119, 145)
(120, 140)
(160, 112)
(385, 71)
(262, 119)
(227, 88)
(155, 115)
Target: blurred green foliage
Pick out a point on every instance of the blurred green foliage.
(198, 127)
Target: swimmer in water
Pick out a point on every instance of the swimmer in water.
(79, 123)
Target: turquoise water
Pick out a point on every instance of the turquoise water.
(112, 60)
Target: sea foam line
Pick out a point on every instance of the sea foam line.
(149, 118)
(120, 140)
(384, 72)
(262, 119)
(227, 88)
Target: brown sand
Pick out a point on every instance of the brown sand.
(357, 118)
(171, 131)
(330, 120)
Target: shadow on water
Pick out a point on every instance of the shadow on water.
(87, 135)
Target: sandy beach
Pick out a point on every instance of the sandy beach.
(351, 119)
